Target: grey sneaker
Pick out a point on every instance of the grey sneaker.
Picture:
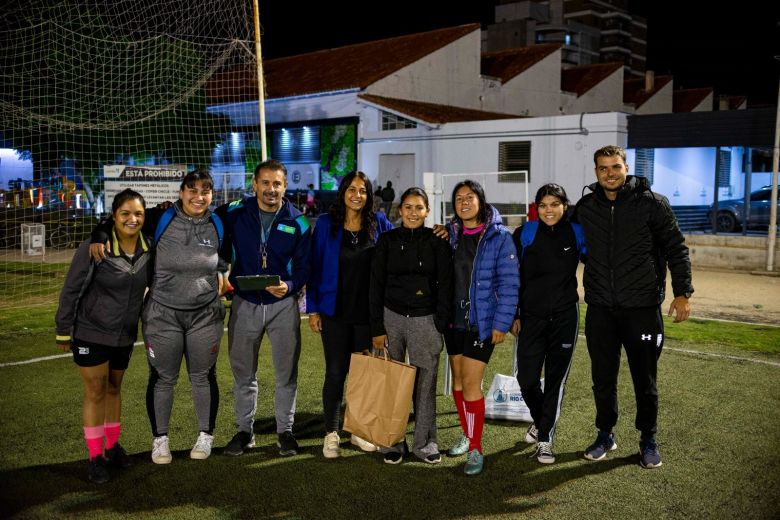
(241, 441)
(649, 456)
(544, 453)
(532, 435)
(605, 441)
(474, 463)
(461, 447)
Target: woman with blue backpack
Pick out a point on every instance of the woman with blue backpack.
(547, 319)
(183, 316)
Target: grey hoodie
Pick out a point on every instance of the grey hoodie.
(187, 261)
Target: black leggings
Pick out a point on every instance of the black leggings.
(339, 341)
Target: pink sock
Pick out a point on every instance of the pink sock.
(94, 437)
(475, 419)
(458, 396)
(112, 431)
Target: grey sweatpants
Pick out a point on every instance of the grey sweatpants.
(417, 336)
(170, 334)
(246, 328)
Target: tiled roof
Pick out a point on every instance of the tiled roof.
(634, 90)
(582, 78)
(685, 100)
(433, 113)
(509, 63)
(353, 66)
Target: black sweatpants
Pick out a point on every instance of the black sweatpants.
(641, 332)
(339, 341)
(550, 342)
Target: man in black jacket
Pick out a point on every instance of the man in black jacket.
(631, 236)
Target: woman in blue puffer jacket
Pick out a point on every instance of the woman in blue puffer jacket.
(485, 285)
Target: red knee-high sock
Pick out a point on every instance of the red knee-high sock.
(475, 421)
(112, 431)
(94, 437)
(459, 404)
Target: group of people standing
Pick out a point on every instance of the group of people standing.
(370, 286)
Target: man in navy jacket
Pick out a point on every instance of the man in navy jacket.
(265, 235)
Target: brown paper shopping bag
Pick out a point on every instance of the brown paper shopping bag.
(379, 399)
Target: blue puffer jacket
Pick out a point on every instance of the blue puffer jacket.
(325, 249)
(494, 279)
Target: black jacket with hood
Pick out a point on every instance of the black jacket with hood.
(630, 242)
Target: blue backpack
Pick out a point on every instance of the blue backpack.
(528, 234)
(167, 217)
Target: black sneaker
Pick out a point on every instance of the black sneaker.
(605, 442)
(393, 457)
(240, 442)
(118, 457)
(287, 444)
(434, 458)
(649, 456)
(98, 473)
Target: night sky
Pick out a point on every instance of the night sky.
(730, 50)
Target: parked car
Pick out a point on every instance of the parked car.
(731, 212)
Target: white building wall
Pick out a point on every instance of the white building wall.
(660, 103)
(606, 96)
(561, 149)
(534, 92)
(706, 104)
(448, 76)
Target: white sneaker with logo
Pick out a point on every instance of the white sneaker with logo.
(362, 444)
(161, 451)
(202, 448)
(330, 447)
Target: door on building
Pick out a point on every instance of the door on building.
(398, 169)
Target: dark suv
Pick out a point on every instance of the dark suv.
(731, 212)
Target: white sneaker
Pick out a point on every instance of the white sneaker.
(202, 448)
(330, 447)
(532, 435)
(362, 443)
(161, 451)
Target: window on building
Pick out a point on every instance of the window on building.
(644, 164)
(513, 156)
(724, 168)
(297, 144)
(396, 122)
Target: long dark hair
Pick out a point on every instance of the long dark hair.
(338, 210)
(476, 187)
(189, 181)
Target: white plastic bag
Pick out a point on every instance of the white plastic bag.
(505, 401)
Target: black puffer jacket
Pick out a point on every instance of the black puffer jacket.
(411, 274)
(630, 241)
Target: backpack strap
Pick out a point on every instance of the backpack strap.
(218, 226)
(165, 220)
(527, 235)
(167, 217)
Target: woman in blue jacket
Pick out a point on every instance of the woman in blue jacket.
(337, 292)
(485, 287)
(98, 320)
